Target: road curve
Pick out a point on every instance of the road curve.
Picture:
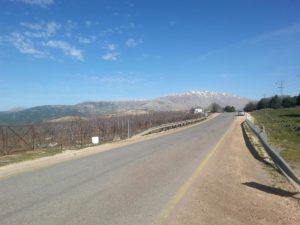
(128, 185)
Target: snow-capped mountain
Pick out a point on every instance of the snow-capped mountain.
(187, 100)
(174, 102)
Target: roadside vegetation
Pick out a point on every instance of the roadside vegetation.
(27, 155)
(229, 108)
(283, 129)
(215, 107)
(274, 102)
(279, 117)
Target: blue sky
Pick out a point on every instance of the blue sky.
(66, 52)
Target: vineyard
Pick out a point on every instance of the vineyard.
(77, 133)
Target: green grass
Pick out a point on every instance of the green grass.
(283, 130)
(29, 155)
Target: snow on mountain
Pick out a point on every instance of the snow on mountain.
(175, 102)
(187, 100)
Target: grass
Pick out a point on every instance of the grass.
(28, 155)
(278, 180)
(283, 130)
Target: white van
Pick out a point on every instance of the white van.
(241, 113)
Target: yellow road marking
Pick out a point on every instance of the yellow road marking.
(185, 187)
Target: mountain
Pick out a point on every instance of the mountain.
(187, 100)
(175, 102)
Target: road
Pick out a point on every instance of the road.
(128, 185)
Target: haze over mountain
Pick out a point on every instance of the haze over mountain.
(175, 102)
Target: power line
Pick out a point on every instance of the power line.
(281, 86)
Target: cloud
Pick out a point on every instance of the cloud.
(88, 23)
(111, 56)
(225, 76)
(40, 30)
(111, 47)
(52, 28)
(117, 30)
(283, 31)
(32, 26)
(114, 80)
(130, 26)
(25, 45)
(70, 25)
(132, 43)
(40, 3)
(87, 40)
(288, 30)
(65, 47)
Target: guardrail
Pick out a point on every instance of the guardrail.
(169, 126)
(277, 159)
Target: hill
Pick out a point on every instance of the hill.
(176, 102)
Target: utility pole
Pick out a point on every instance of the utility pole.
(280, 86)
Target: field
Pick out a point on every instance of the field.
(283, 130)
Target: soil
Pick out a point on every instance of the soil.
(234, 188)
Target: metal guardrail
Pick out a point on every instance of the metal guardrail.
(169, 126)
(278, 160)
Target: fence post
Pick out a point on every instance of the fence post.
(128, 129)
(4, 136)
(33, 137)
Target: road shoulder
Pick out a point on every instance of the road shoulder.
(235, 188)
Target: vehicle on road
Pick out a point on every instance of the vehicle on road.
(240, 113)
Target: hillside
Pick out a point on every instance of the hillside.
(176, 102)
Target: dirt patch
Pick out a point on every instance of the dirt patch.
(235, 188)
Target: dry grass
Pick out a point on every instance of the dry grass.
(28, 155)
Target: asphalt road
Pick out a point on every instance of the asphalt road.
(129, 185)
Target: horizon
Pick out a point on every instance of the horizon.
(57, 52)
(125, 100)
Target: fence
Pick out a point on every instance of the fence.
(77, 133)
(17, 138)
(278, 160)
(171, 126)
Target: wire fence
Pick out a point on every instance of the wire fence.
(78, 133)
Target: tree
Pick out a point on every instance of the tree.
(289, 101)
(251, 106)
(263, 103)
(229, 108)
(215, 107)
(298, 99)
(276, 102)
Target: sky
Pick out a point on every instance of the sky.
(67, 52)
